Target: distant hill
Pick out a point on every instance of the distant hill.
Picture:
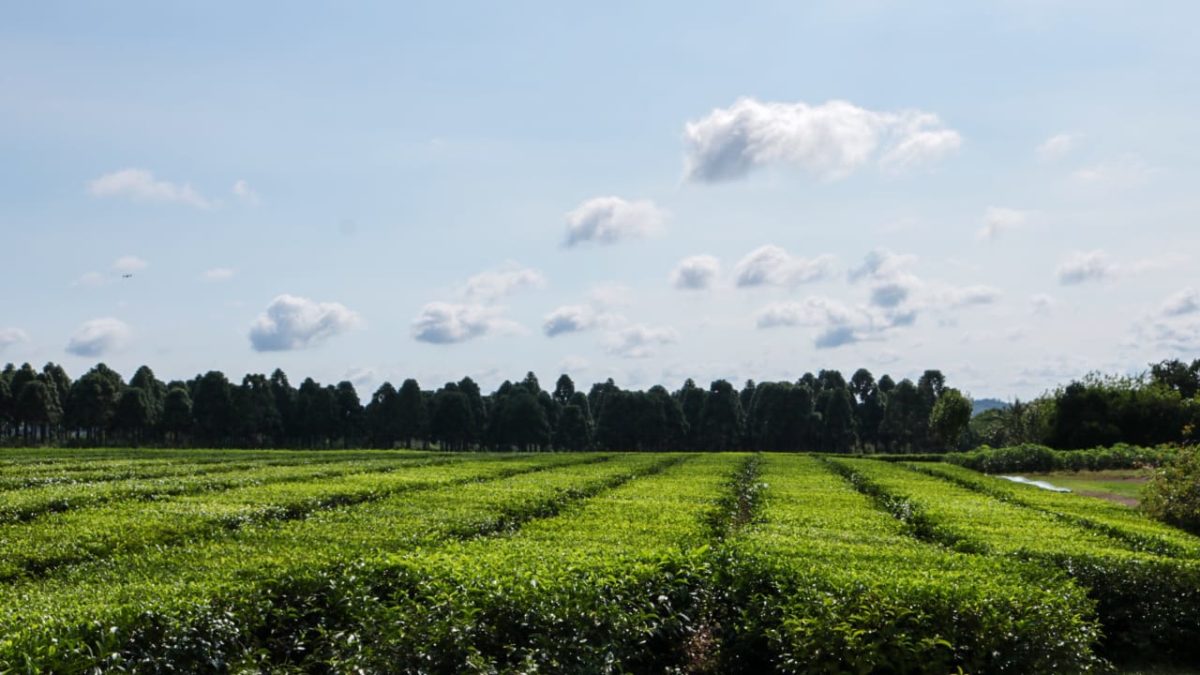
(986, 404)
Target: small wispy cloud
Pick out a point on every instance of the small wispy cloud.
(997, 220)
(219, 274)
(141, 185)
(1056, 147)
(242, 190)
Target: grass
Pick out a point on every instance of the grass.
(1123, 486)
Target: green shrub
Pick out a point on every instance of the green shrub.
(1173, 493)
(1030, 457)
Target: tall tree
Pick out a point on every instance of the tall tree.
(721, 419)
(212, 407)
(414, 418)
(92, 401)
(564, 389)
(258, 421)
(450, 424)
(949, 419)
(38, 410)
(691, 401)
(285, 404)
(349, 411)
(383, 416)
(837, 417)
(135, 414)
(177, 413)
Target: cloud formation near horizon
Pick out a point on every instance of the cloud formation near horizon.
(291, 322)
(99, 337)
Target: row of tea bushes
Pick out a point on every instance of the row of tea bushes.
(1147, 603)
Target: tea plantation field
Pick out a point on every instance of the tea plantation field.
(344, 561)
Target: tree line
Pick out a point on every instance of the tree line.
(1159, 406)
(823, 412)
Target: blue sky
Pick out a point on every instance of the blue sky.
(643, 191)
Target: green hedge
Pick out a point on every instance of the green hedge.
(1039, 458)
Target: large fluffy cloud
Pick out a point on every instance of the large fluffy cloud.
(830, 140)
(141, 185)
(98, 337)
(639, 341)
(607, 220)
(696, 272)
(493, 285)
(447, 322)
(12, 336)
(771, 265)
(292, 322)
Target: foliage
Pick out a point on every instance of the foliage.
(1173, 493)
(1039, 458)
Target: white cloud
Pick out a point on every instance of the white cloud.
(1186, 301)
(966, 296)
(609, 295)
(1081, 266)
(12, 336)
(360, 377)
(574, 364)
(1056, 147)
(997, 220)
(219, 274)
(607, 220)
(92, 279)
(830, 140)
(697, 272)
(639, 341)
(838, 324)
(292, 322)
(569, 319)
(881, 264)
(1042, 303)
(243, 191)
(492, 285)
(98, 337)
(1123, 172)
(140, 185)
(894, 292)
(129, 264)
(1181, 335)
(771, 265)
(448, 323)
